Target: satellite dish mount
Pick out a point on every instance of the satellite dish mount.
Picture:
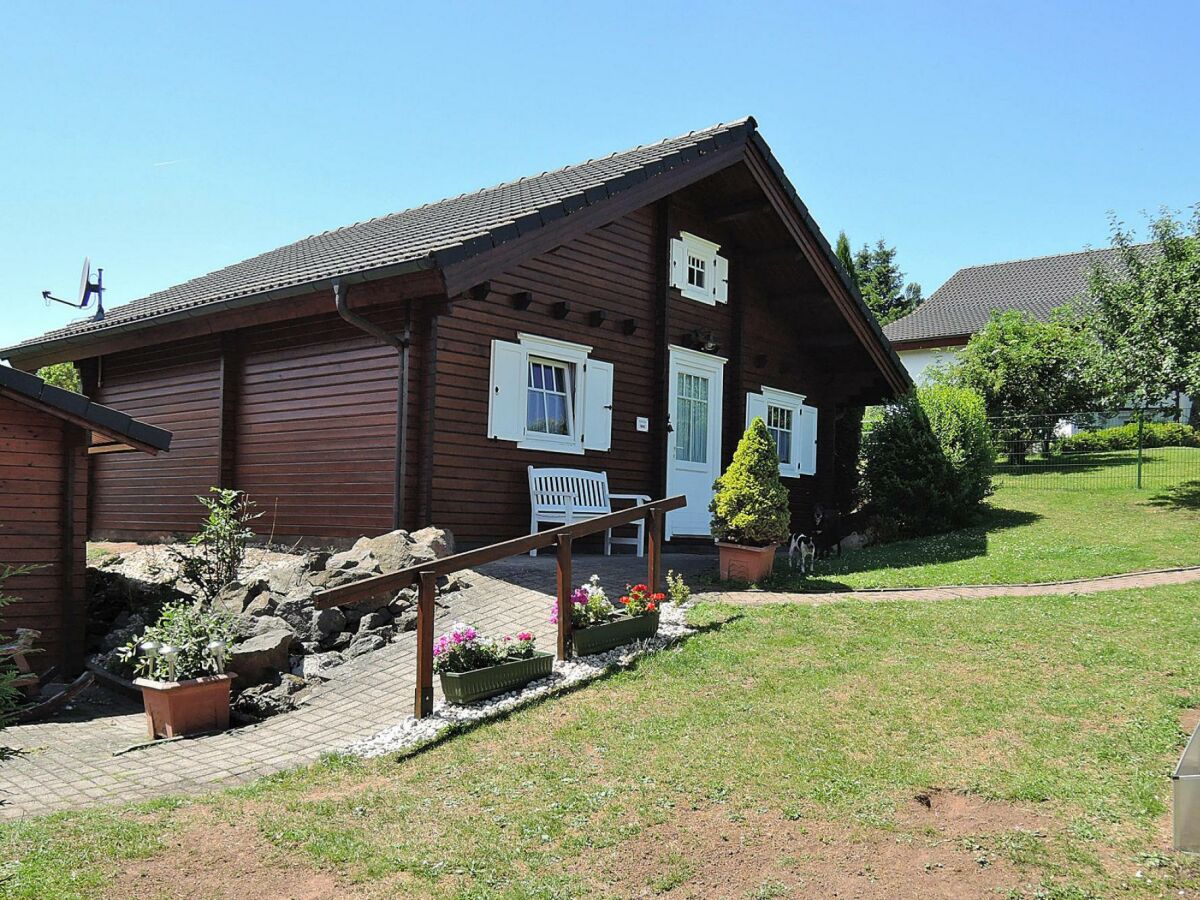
(87, 290)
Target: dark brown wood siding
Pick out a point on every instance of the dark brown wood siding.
(480, 485)
(176, 386)
(316, 427)
(39, 455)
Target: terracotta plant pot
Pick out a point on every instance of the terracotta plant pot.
(623, 629)
(510, 675)
(175, 708)
(742, 563)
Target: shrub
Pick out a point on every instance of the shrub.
(10, 697)
(189, 629)
(928, 460)
(218, 549)
(678, 588)
(750, 504)
(63, 375)
(1125, 437)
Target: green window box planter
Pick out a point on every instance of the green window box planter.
(622, 630)
(479, 684)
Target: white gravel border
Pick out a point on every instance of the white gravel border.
(414, 732)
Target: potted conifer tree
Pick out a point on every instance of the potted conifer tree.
(750, 515)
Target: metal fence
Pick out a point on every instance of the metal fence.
(1154, 448)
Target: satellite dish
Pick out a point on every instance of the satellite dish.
(87, 288)
(85, 282)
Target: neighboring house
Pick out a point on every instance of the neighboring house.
(935, 331)
(619, 315)
(46, 438)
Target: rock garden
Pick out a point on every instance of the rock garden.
(258, 622)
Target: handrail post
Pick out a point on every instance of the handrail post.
(564, 595)
(654, 540)
(424, 693)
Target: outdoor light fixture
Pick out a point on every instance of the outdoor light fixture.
(216, 649)
(151, 648)
(171, 655)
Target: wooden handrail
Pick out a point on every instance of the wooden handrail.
(562, 538)
(367, 588)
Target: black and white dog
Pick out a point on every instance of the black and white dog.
(827, 531)
(802, 551)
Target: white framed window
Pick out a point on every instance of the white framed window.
(698, 270)
(547, 394)
(792, 424)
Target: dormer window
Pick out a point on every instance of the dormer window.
(698, 270)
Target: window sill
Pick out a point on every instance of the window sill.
(699, 296)
(551, 446)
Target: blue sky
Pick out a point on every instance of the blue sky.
(165, 141)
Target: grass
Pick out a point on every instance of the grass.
(740, 764)
(1030, 532)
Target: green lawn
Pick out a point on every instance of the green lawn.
(1034, 533)
(1011, 747)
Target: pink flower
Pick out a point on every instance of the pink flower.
(525, 636)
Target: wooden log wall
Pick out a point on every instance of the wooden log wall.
(43, 522)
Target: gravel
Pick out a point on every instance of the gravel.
(413, 732)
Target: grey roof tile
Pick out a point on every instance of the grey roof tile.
(427, 236)
(1036, 286)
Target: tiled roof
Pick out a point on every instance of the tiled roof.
(1037, 286)
(425, 237)
(105, 419)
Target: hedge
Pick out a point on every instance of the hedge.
(1125, 437)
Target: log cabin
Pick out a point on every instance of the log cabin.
(47, 437)
(628, 314)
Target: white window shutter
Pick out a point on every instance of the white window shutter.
(678, 263)
(506, 401)
(721, 279)
(756, 405)
(597, 405)
(808, 440)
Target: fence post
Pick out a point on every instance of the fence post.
(563, 562)
(1141, 433)
(423, 705)
(654, 541)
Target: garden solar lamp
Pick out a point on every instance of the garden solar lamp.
(170, 654)
(151, 648)
(216, 649)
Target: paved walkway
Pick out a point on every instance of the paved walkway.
(969, 592)
(70, 762)
(76, 761)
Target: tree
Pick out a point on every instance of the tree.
(1030, 373)
(882, 283)
(1145, 313)
(846, 255)
(63, 375)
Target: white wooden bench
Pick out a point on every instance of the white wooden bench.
(564, 496)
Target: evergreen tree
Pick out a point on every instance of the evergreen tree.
(846, 255)
(882, 283)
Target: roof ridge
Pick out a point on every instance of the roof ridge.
(1019, 259)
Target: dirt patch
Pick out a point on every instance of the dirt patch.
(720, 852)
(1189, 719)
(211, 859)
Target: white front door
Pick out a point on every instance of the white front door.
(694, 437)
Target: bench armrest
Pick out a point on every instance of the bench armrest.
(639, 499)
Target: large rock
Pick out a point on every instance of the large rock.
(326, 622)
(365, 643)
(297, 612)
(372, 621)
(236, 596)
(260, 656)
(317, 665)
(438, 542)
(270, 698)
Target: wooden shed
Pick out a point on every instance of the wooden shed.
(46, 436)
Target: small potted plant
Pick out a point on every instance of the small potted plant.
(181, 663)
(472, 667)
(598, 625)
(750, 515)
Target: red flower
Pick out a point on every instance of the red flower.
(650, 607)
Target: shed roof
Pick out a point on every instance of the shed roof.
(63, 404)
(1036, 286)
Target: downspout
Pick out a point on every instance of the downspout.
(401, 343)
